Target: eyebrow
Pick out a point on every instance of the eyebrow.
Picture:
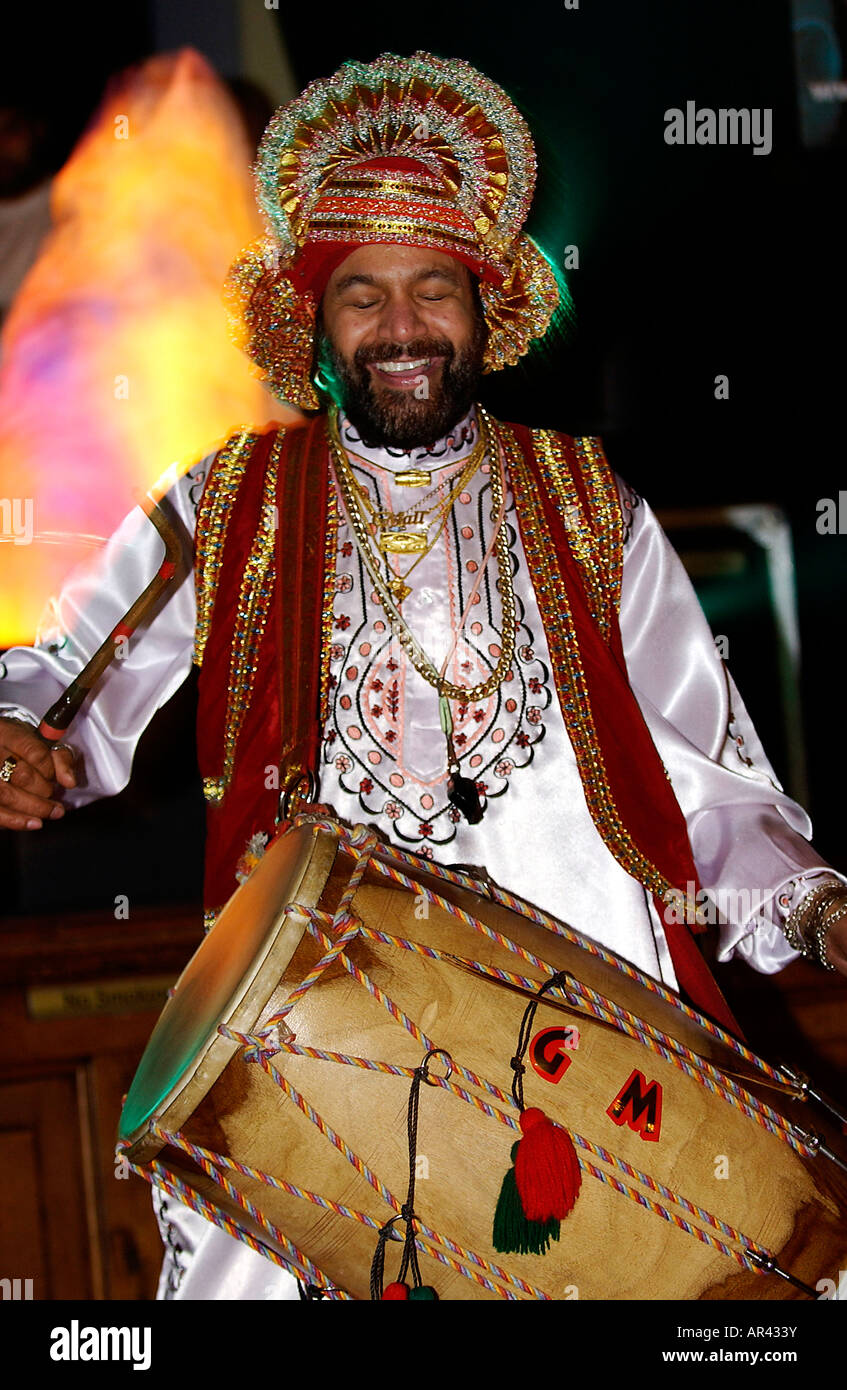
(349, 281)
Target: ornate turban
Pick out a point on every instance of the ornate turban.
(418, 151)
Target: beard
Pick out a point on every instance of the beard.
(397, 419)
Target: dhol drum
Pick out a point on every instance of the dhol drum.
(274, 1095)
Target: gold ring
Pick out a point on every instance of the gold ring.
(7, 768)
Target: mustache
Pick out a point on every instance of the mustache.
(395, 352)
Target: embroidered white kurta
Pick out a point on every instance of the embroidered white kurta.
(384, 755)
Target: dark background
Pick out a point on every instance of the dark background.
(694, 262)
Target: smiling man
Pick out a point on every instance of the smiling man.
(404, 336)
(469, 635)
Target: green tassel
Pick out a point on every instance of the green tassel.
(513, 1233)
(422, 1293)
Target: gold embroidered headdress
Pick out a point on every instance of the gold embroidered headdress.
(421, 151)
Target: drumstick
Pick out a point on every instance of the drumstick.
(60, 715)
(474, 968)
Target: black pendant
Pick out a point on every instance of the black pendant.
(462, 793)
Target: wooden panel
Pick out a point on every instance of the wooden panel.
(81, 946)
(23, 1247)
(131, 1247)
(82, 1231)
(40, 1117)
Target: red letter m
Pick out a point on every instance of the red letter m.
(639, 1105)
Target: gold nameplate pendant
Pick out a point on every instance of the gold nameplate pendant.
(399, 590)
(402, 542)
(413, 477)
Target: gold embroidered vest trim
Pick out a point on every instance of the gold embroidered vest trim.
(257, 584)
(595, 530)
(213, 513)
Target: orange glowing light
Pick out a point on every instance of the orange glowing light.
(115, 360)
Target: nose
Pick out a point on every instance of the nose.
(400, 319)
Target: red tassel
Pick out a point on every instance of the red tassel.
(396, 1291)
(547, 1172)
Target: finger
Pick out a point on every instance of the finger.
(24, 742)
(11, 820)
(18, 802)
(26, 777)
(63, 766)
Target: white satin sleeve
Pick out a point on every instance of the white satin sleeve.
(751, 842)
(158, 655)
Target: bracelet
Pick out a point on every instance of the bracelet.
(807, 927)
(802, 914)
(822, 929)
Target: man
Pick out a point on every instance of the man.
(468, 635)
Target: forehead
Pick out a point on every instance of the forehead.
(400, 265)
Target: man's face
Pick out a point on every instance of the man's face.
(404, 337)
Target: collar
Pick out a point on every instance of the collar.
(455, 445)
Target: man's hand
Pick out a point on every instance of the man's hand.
(836, 945)
(33, 769)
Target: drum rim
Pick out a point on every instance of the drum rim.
(311, 872)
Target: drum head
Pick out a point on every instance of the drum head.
(228, 979)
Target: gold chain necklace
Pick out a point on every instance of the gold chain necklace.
(462, 792)
(404, 543)
(398, 583)
(391, 538)
(415, 652)
(466, 472)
